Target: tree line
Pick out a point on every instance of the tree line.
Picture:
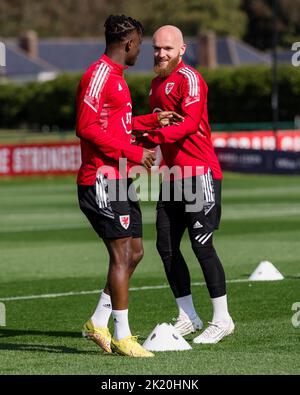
(235, 95)
(249, 20)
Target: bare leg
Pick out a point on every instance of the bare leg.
(137, 255)
(120, 253)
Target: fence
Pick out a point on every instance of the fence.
(64, 157)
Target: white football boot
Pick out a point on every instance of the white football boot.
(215, 332)
(184, 325)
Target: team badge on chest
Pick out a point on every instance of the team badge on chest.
(125, 221)
(169, 87)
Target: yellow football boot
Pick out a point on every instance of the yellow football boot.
(101, 336)
(130, 347)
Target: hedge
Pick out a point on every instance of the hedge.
(240, 94)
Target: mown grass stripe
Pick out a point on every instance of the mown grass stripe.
(96, 291)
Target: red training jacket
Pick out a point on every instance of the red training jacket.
(189, 143)
(104, 121)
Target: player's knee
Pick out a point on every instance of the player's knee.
(137, 256)
(162, 248)
(203, 252)
(167, 257)
(163, 242)
(122, 258)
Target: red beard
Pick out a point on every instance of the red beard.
(165, 71)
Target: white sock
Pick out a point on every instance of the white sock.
(220, 309)
(103, 311)
(186, 306)
(121, 324)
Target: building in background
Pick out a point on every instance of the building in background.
(29, 58)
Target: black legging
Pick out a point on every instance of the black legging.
(171, 225)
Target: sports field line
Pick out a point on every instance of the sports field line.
(97, 291)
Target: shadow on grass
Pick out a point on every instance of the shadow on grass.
(30, 332)
(9, 333)
(45, 348)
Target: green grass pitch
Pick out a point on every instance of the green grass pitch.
(47, 247)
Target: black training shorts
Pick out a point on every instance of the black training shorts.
(175, 212)
(112, 207)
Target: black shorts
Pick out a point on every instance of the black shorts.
(112, 208)
(177, 213)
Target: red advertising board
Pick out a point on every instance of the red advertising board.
(29, 159)
(62, 158)
(287, 140)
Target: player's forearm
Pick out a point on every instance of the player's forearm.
(173, 133)
(111, 147)
(145, 122)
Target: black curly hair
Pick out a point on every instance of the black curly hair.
(118, 27)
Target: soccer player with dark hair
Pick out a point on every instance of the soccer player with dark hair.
(104, 125)
(181, 88)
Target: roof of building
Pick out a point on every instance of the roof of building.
(75, 55)
(19, 63)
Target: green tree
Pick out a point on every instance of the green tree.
(259, 30)
(86, 18)
(53, 18)
(192, 16)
